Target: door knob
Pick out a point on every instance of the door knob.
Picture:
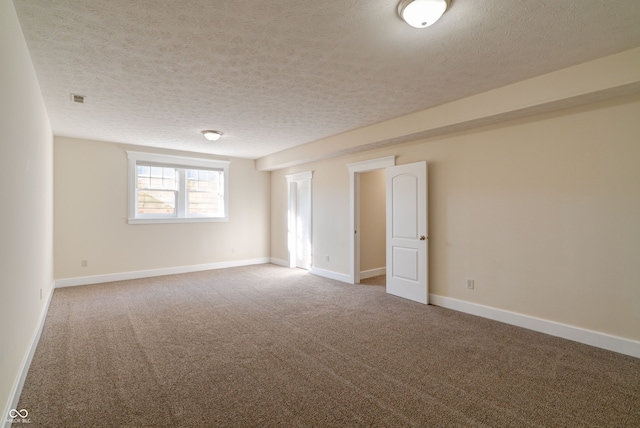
(422, 237)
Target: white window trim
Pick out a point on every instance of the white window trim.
(173, 161)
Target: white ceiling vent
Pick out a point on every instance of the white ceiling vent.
(77, 98)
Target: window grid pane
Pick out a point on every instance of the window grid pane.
(204, 193)
(157, 190)
(156, 202)
(157, 178)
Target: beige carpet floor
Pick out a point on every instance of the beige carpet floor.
(266, 346)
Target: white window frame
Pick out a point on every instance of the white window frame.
(170, 161)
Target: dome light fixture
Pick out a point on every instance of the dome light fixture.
(422, 13)
(212, 135)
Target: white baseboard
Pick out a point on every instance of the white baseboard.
(588, 337)
(16, 391)
(279, 262)
(331, 275)
(111, 277)
(373, 272)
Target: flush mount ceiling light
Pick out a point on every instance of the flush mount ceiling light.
(212, 135)
(422, 13)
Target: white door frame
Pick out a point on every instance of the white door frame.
(354, 208)
(292, 201)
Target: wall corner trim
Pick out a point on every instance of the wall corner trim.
(279, 262)
(16, 391)
(331, 275)
(123, 276)
(373, 272)
(577, 334)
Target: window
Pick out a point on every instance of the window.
(157, 189)
(166, 189)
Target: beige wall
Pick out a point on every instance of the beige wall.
(330, 207)
(372, 220)
(542, 213)
(26, 229)
(91, 217)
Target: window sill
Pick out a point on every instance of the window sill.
(177, 220)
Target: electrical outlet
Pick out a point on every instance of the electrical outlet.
(470, 284)
(84, 263)
(327, 258)
(233, 251)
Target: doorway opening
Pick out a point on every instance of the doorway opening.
(371, 208)
(300, 220)
(356, 243)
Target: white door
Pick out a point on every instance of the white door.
(407, 231)
(303, 226)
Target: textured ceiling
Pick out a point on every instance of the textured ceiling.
(275, 74)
